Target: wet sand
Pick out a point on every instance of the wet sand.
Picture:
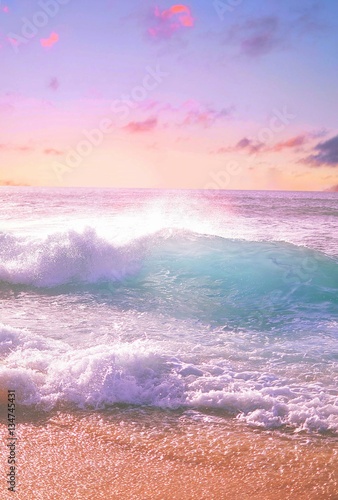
(151, 454)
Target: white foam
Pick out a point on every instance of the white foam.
(64, 258)
(46, 372)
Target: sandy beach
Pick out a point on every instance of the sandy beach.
(151, 454)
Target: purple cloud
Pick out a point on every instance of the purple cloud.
(54, 83)
(262, 36)
(245, 144)
(324, 154)
(258, 36)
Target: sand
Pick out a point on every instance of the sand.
(151, 454)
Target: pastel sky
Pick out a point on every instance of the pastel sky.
(224, 94)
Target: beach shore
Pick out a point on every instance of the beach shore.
(152, 454)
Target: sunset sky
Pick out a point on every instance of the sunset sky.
(227, 94)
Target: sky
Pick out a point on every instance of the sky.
(217, 94)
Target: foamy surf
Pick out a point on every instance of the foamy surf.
(48, 374)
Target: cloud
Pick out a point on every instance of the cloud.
(293, 142)
(244, 145)
(324, 154)
(249, 145)
(27, 149)
(197, 117)
(15, 101)
(11, 147)
(188, 113)
(204, 117)
(4, 8)
(52, 151)
(252, 147)
(262, 36)
(308, 22)
(11, 183)
(54, 83)
(332, 189)
(142, 126)
(49, 42)
(256, 37)
(165, 23)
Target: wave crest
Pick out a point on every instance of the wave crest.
(64, 258)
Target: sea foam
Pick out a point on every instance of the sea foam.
(48, 374)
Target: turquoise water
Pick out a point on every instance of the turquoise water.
(192, 300)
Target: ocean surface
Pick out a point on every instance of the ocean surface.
(214, 305)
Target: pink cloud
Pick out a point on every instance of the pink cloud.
(5, 9)
(143, 126)
(54, 152)
(49, 42)
(15, 147)
(205, 118)
(195, 113)
(188, 113)
(170, 21)
(27, 149)
(293, 142)
(183, 13)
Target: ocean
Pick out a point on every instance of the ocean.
(189, 328)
